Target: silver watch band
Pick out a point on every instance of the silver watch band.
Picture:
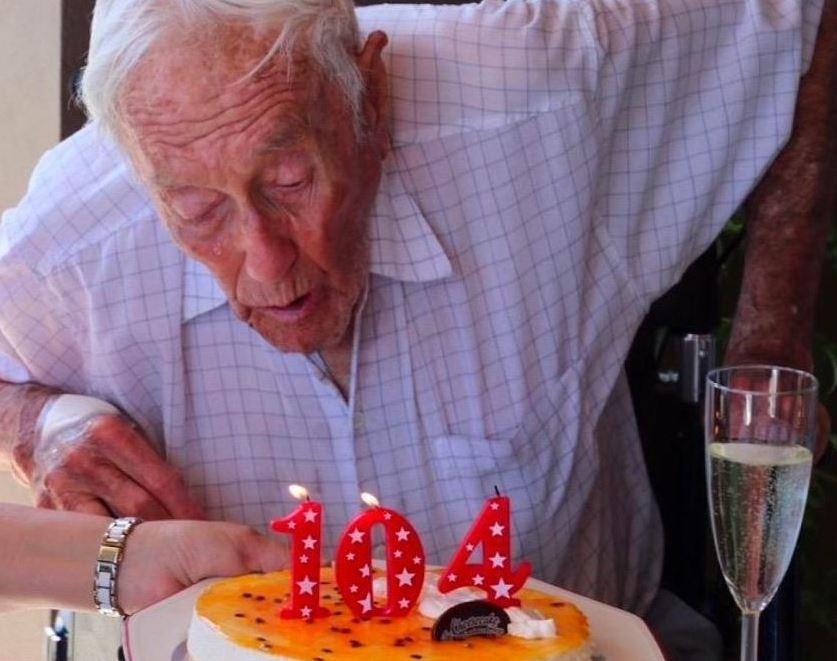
(110, 555)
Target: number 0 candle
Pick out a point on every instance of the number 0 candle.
(305, 527)
(404, 562)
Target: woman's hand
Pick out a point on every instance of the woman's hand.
(164, 557)
(48, 558)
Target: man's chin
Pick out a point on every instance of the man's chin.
(298, 338)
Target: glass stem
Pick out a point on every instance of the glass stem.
(749, 636)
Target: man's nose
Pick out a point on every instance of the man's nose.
(269, 254)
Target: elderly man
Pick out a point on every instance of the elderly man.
(440, 239)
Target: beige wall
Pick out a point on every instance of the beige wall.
(30, 68)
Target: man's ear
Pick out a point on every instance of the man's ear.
(376, 95)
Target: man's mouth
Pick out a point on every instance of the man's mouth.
(295, 311)
(295, 304)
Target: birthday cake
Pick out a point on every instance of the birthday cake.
(238, 620)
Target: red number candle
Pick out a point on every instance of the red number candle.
(494, 575)
(304, 525)
(404, 563)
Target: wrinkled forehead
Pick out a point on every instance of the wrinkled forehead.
(187, 79)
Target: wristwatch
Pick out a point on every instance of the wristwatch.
(110, 555)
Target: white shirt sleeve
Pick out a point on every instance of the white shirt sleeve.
(26, 322)
(695, 100)
(689, 100)
(33, 337)
(12, 368)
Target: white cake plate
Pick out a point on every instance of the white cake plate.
(158, 633)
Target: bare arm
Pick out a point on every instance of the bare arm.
(35, 570)
(20, 406)
(104, 465)
(788, 217)
(161, 557)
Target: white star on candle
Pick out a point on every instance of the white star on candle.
(310, 516)
(495, 506)
(291, 525)
(353, 588)
(478, 580)
(357, 536)
(403, 603)
(451, 577)
(364, 571)
(309, 542)
(387, 516)
(366, 602)
(398, 554)
(497, 560)
(402, 534)
(404, 578)
(497, 529)
(350, 556)
(501, 589)
(303, 559)
(305, 611)
(469, 547)
(306, 586)
(416, 560)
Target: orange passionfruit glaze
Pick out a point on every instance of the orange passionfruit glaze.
(246, 610)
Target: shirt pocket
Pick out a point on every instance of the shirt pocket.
(469, 462)
(534, 461)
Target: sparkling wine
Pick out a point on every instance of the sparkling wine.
(757, 496)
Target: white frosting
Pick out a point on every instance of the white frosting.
(525, 622)
(531, 624)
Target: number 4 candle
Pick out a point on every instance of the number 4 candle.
(494, 575)
(305, 527)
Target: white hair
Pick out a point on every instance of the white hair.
(124, 31)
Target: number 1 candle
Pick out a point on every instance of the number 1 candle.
(305, 527)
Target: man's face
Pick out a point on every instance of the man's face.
(260, 178)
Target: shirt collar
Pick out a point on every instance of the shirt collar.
(403, 247)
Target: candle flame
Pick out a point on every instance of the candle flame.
(369, 499)
(298, 492)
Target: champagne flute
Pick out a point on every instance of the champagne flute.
(760, 429)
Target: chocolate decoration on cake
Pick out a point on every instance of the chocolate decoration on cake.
(471, 618)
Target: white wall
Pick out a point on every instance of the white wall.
(30, 67)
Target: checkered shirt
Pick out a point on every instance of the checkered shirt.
(557, 165)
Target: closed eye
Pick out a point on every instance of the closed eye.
(291, 173)
(193, 204)
(290, 186)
